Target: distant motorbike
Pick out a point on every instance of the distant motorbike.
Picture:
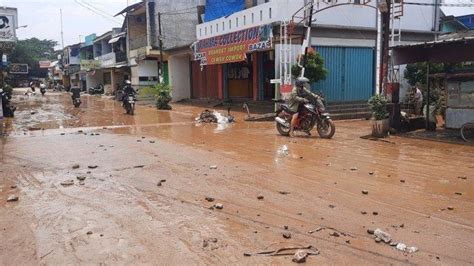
(8, 108)
(310, 115)
(77, 102)
(99, 89)
(42, 89)
(129, 104)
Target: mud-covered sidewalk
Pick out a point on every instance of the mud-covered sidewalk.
(147, 189)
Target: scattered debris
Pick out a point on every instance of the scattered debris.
(138, 166)
(285, 227)
(62, 134)
(89, 232)
(81, 183)
(317, 230)
(213, 167)
(375, 213)
(363, 212)
(12, 198)
(152, 141)
(462, 177)
(283, 151)
(334, 234)
(383, 235)
(76, 166)
(81, 178)
(219, 206)
(402, 180)
(371, 173)
(286, 235)
(210, 242)
(353, 168)
(365, 192)
(67, 183)
(210, 199)
(300, 255)
(13, 186)
(404, 248)
(458, 193)
(332, 206)
(284, 192)
(450, 208)
(163, 180)
(370, 231)
(378, 240)
(159, 183)
(92, 166)
(260, 197)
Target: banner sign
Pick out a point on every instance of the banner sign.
(19, 69)
(233, 47)
(44, 64)
(89, 65)
(7, 28)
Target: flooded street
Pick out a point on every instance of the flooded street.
(147, 189)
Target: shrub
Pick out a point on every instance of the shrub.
(314, 70)
(378, 103)
(161, 93)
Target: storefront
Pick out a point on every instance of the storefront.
(237, 65)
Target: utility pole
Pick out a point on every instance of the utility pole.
(62, 33)
(384, 7)
(308, 38)
(160, 36)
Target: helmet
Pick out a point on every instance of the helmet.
(127, 82)
(301, 81)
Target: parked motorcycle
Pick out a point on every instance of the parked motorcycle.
(310, 115)
(129, 104)
(99, 89)
(8, 108)
(77, 102)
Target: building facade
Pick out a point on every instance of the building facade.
(344, 35)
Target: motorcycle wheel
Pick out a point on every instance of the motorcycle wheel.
(284, 131)
(326, 129)
(132, 110)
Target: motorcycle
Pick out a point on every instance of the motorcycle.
(129, 104)
(42, 89)
(99, 89)
(310, 114)
(8, 108)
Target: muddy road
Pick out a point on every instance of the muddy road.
(139, 188)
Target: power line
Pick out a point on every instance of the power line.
(98, 13)
(439, 4)
(95, 8)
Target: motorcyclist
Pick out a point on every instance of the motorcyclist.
(127, 90)
(299, 95)
(76, 93)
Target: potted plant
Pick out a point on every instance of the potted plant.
(380, 121)
(161, 93)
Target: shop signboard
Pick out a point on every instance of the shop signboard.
(44, 64)
(19, 69)
(89, 65)
(233, 47)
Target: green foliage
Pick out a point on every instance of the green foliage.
(378, 103)
(31, 51)
(8, 90)
(416, 73)
(162, 94)
(314, 71)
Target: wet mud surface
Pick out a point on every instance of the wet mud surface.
(147, 177)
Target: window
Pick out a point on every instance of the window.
(230, 24)
(253, 20)
(245, 20)
(270, 12)
(261, 15)
(107, 78)
(205, 30)
(200, 31)
(237, 22)
(211, 29)
(223, 26)
(217, 27)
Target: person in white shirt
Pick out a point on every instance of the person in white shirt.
(418, 100)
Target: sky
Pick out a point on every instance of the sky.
(43, 19)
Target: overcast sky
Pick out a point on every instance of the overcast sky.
(43, 20)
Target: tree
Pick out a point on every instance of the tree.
(314, 71)
(31, 51)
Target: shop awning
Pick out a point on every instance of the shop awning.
(114, 40)
(453, 48)
(130, 8)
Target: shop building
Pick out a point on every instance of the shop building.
(345, 36)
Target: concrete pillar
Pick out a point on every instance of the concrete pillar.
(255, 75)
(220, 83)
(113, 81)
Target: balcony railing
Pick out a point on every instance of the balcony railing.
(138, 42)
(107, 60)
(120, 57)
